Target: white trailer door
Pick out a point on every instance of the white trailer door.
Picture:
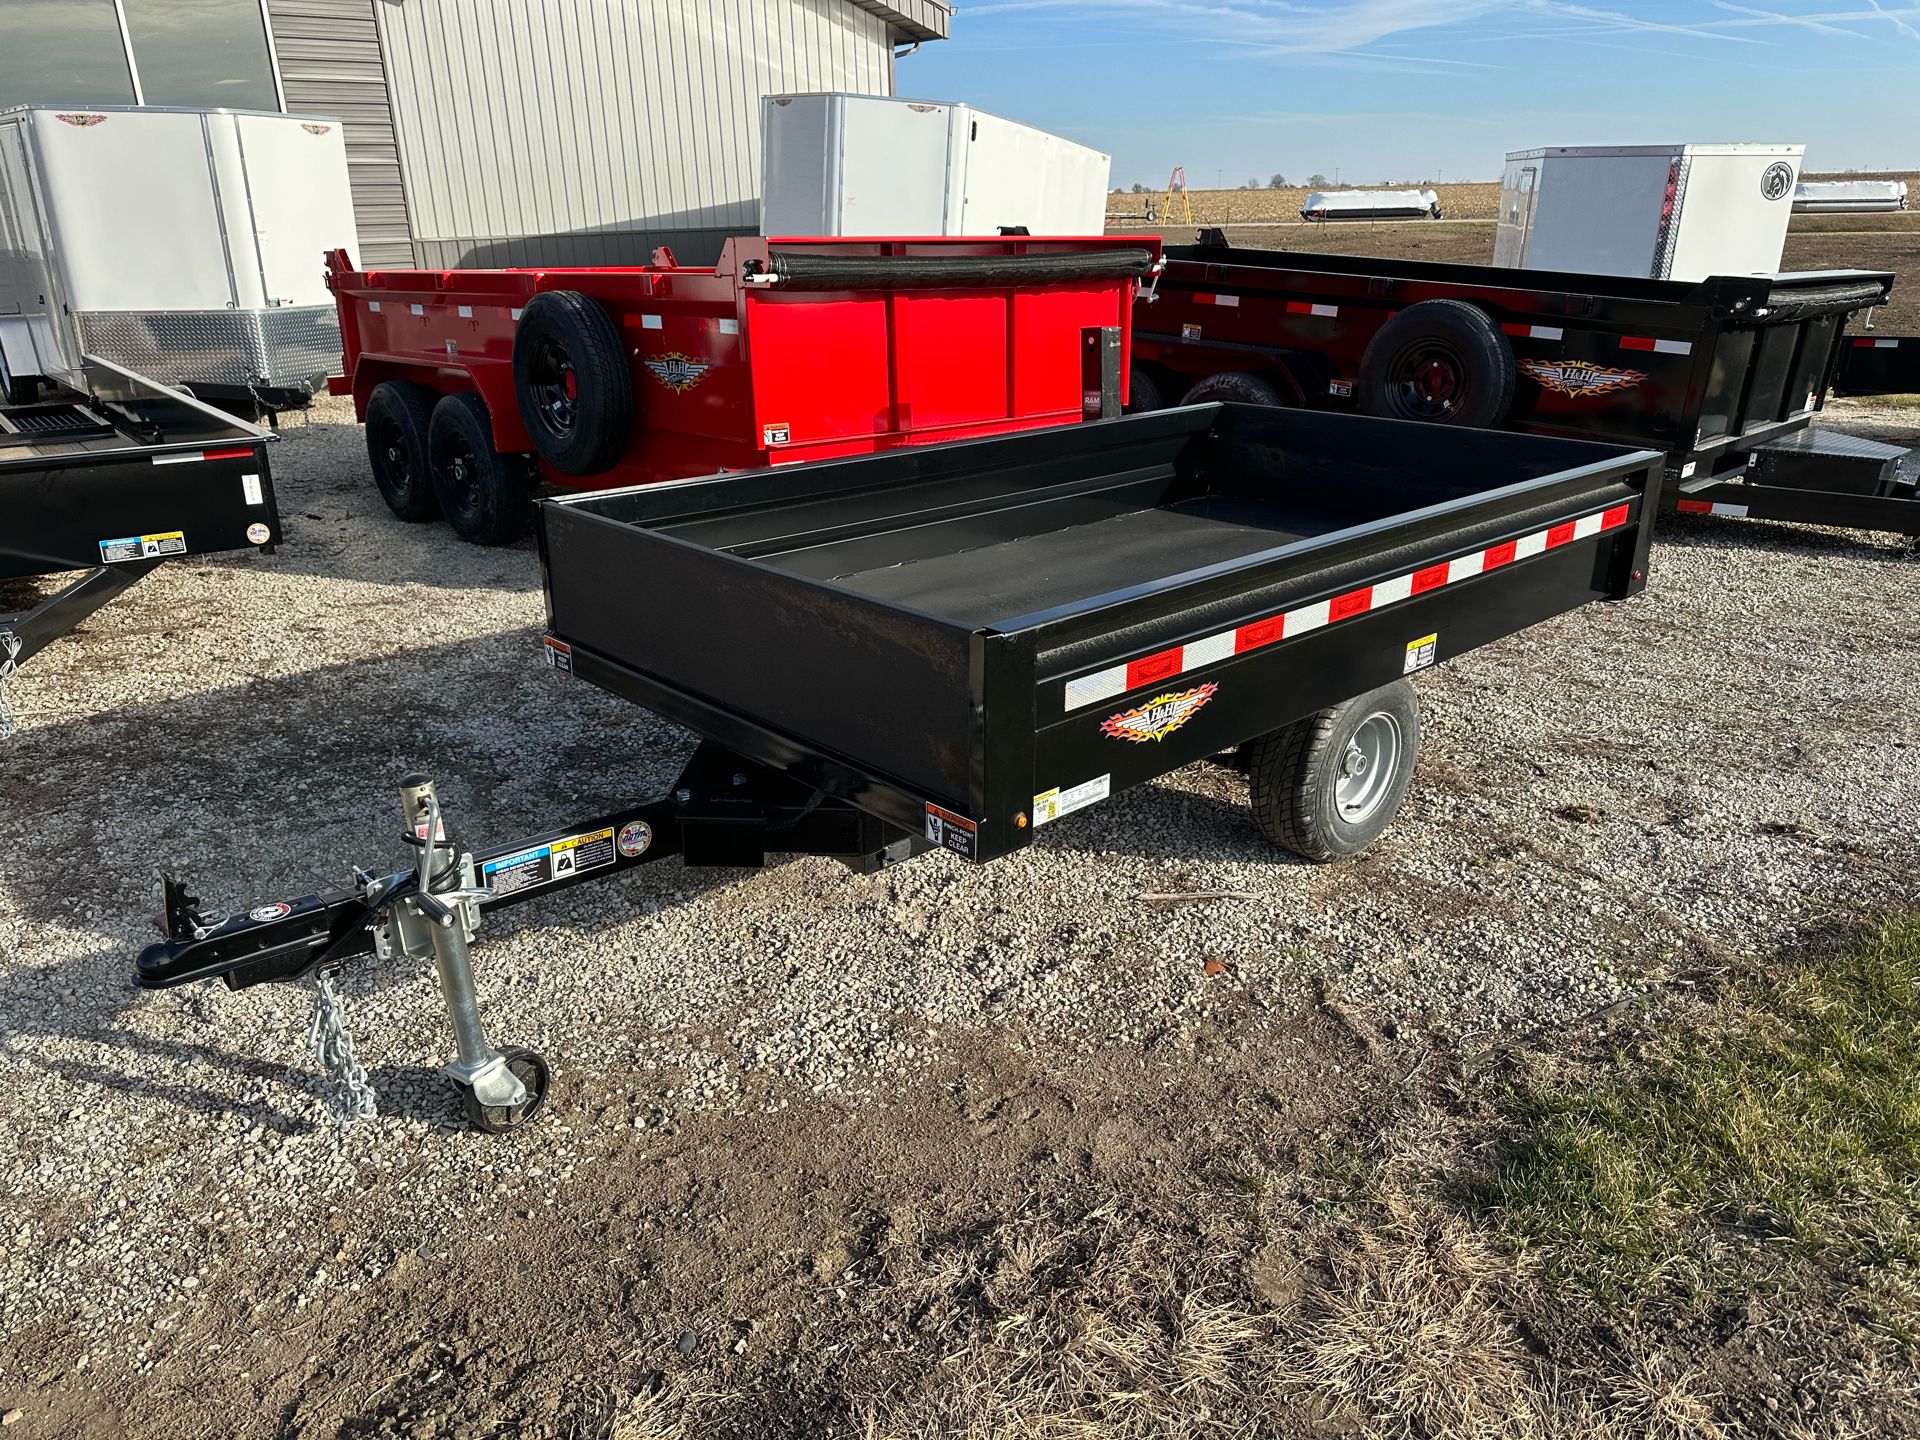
(133, 211)
(1597, 214)
(299, 203)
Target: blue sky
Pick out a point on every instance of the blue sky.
(1411, 89)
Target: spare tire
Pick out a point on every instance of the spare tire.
(572, 383)
(1236, 386)
(1441, 361)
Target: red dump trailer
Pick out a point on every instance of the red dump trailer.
(476, 384)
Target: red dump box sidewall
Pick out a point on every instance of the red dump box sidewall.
(729, 374)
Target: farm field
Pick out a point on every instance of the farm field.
(1814, 242)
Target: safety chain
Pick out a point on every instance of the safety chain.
(332, 1045)
(9, 651)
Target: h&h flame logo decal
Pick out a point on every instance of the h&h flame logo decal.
(1159, 717)
(316, 129)
(83, 121)
(679, 373)
(1577, 378)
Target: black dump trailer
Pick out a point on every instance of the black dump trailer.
(114, 482)
(958, 646)
(1723, 375)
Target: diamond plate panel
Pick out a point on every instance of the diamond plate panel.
(293, 349)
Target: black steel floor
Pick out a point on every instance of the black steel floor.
(1037, 572)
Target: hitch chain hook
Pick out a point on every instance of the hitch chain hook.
(332, 1045)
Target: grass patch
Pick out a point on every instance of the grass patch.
(1733, 1157)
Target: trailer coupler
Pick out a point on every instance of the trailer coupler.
(723, 811)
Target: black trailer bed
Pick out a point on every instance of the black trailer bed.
(114, 482)
(962, 632)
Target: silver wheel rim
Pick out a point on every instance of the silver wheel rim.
(1367, 768)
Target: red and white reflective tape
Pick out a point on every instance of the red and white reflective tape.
(1227, 300)
(1659, 347)
(1707, 507)
(1165, 664)
(191, 457)
(1534, 332)
(1868, 342)
(1302, 307)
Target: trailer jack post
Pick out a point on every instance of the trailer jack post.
(501, 1089)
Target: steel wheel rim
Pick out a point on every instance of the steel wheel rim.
(393, 449)
(463, 471)
(555, 386)
(1368, 766)
(1430, 379)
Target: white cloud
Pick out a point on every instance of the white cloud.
(1289, 27)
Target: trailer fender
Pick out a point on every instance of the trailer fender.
(1443, 362)
(572, 382)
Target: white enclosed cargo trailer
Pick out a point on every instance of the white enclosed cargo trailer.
(184, 245)
(836, 164)
(1661, 212)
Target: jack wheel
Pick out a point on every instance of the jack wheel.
(531, 1069)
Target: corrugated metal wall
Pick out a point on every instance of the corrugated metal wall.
(585, 132)
(329, 52)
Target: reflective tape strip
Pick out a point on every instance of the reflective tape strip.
(192, 457)
(1708, 507)
(1534, 332)
(1659, 347)
(1301, 307)
(1867, 342)
(1229, 301)
(1163, 665)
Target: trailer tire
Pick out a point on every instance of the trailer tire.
(1144, 394)
(1442, 362)
(572, 382)
(487, 497)
(1236, 386)
(398, 416)
(1325, 787)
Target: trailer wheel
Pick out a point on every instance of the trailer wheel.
(398, 416)
(572, 382)
(1441, 361)
(487, 496)
(1143, 392)
(1236, 386)
(1326, 786)
(531, 1069)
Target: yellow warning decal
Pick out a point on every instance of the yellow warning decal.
(1420, 653)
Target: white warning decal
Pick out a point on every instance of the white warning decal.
(544, 864)
(1052, 804)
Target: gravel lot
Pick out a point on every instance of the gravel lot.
(1627, 793)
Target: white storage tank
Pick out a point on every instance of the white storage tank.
(836, 164)
(186, 245)
(1665, 212)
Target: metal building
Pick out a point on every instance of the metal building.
(490, 132)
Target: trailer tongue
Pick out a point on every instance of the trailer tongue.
(955, 647)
